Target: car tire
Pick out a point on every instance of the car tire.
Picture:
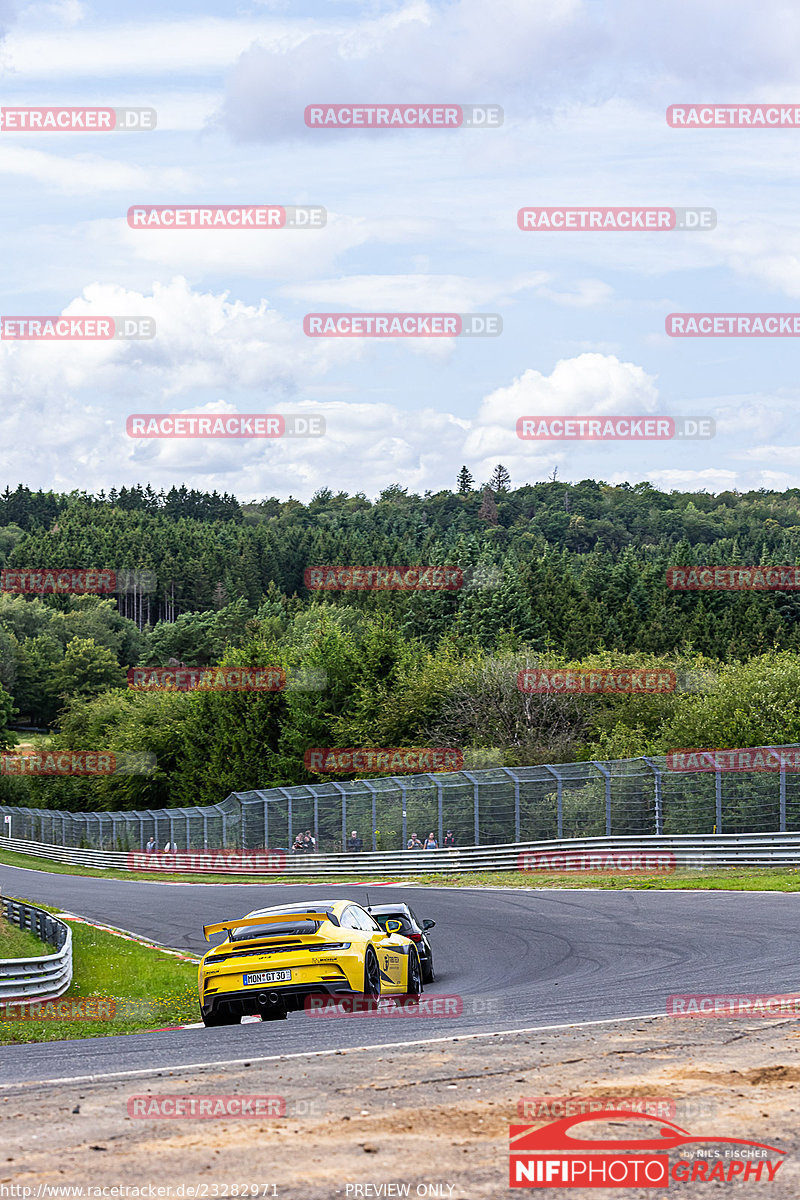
(414, 978)
(372, 975)
(428, 973)
(213, 1020)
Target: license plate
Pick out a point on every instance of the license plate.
(268, 977)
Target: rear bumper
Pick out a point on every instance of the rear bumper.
(254, 1001)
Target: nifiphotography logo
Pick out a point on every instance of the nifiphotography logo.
(551, 1156)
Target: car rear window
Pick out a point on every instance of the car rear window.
(245, 933)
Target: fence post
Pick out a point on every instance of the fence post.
(475, 804)
(404, 810)
(316, 817)
(717, 793)
(659, 811)
(289, 831)
(607, 775)
(559, 801)
(343, 795)
(439, 806)
(782, 817)
(205, 830)
(371, 791)
(510, 773)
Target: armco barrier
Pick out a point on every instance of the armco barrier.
(691, 852)
(44, 977)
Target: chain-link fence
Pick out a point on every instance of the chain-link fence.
(625, 797)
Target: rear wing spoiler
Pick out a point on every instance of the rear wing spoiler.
(277, 919)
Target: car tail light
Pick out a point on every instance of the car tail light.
(415, 937)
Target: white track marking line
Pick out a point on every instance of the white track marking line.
(250, 1059)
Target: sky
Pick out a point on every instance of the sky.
(418, 220)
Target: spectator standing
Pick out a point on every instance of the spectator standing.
(309, 842)
(431, 842)
(354, 842)
(449, 840)
(150, 847)
(414, 843)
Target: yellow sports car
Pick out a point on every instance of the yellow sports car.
(272, 959)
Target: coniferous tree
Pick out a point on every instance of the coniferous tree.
(465, 481)
(500, 479)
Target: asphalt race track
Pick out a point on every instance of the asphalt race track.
(519, 960)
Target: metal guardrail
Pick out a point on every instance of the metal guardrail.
(44, 977)
(691, 852)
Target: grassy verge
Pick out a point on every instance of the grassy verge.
(732, 879)
(723, 879)
(143, 989)
(19, 943)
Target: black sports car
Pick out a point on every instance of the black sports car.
(410, 927)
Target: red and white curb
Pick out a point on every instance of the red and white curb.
(128, 937)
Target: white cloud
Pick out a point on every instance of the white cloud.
(59, 12)
(85, 174)
(203, 342)
(143, 47)
(411, 293)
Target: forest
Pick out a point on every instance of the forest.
(552, 574)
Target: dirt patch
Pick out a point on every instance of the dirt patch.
(434, 1118)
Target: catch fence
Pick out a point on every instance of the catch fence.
(636, 797)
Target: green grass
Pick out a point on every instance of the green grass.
(726, 879)
(19, 943)
(735, 879)
(150, 989)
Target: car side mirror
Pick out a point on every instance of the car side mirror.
(393, 926)
(428, 924)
